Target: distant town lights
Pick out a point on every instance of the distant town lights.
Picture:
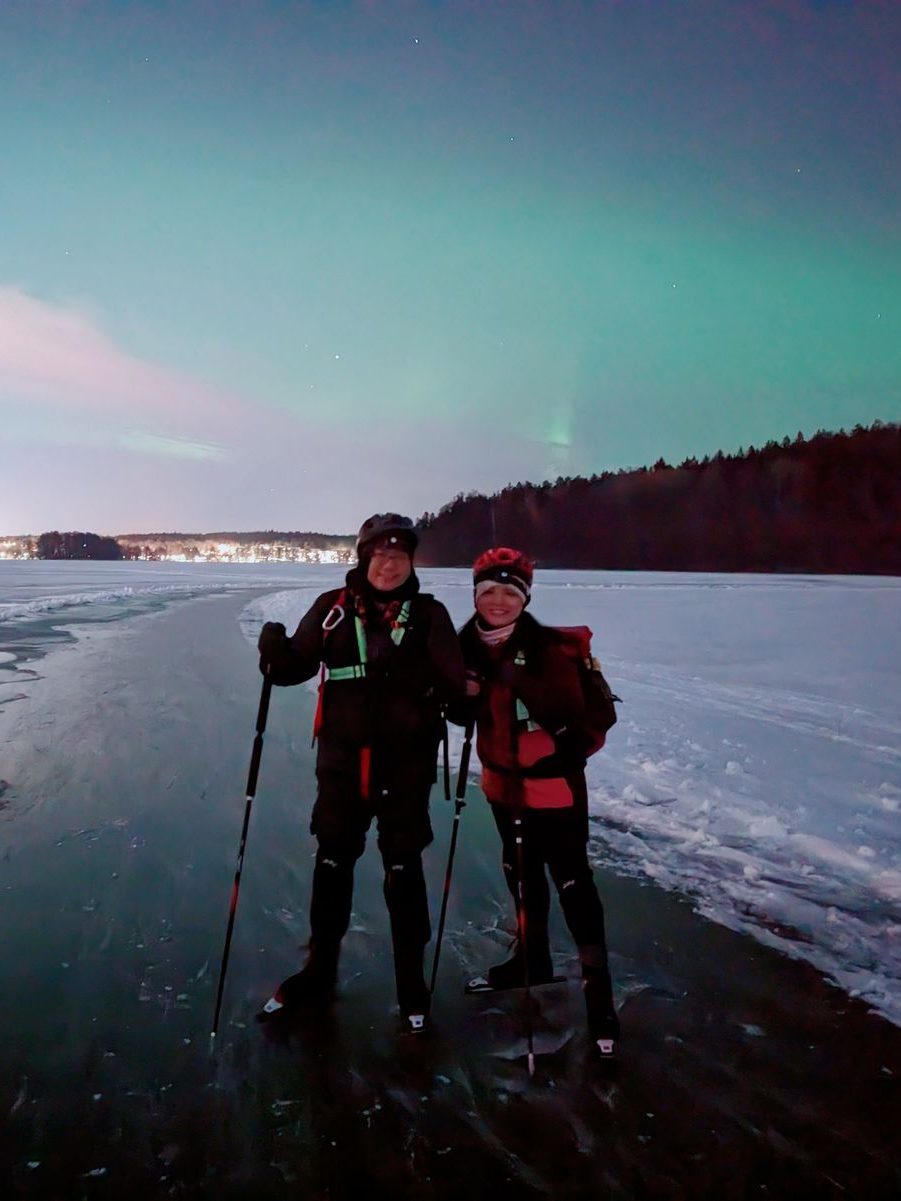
(183, 550)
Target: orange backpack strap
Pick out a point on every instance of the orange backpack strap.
(365, 771)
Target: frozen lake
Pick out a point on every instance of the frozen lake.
(753, 777)
(756, 766)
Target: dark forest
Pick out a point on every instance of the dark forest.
(829, 504)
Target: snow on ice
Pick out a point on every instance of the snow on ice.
(755, 765)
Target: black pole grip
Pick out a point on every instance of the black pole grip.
(463, 771)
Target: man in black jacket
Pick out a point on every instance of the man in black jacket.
(390, 661)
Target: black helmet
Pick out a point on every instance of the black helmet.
(391, 527)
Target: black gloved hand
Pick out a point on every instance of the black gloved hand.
(271, 643)
(569, 745)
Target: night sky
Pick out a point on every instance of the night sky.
(279, 265)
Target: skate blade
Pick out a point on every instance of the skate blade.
(272, 1009)
(606, 1048)
(477, 984)
(480, 984)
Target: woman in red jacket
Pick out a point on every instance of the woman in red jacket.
(532, 741)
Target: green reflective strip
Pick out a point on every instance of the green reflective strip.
(356, 672)
(400, 627)
(522, 714)
(361, 638)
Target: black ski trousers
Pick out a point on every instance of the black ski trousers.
(555, 841)
(341, 820)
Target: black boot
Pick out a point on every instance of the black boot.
(314, 984)
(413, 998)
(512, 972)
(408, 909)
(603, 1023)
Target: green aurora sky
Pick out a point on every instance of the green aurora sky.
(278, 265)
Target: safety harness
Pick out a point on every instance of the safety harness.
(354, 671)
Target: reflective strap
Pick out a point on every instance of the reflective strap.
(361, 638)
(522, 714)
(399, 627)
(356, 672)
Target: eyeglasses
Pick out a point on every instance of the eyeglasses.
(390, 556)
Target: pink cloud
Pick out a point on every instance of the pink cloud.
(59, 356)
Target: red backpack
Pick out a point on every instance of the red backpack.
(600, 711)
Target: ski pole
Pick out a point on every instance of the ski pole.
(459, 803)
(446, 752)
(255, 756)
(522, 934)
(516, 796)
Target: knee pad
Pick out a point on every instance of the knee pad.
(579, 884)
(340, 853)
(403, 875)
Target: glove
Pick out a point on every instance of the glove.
(569, 745)
(271, 643)
(568, 757)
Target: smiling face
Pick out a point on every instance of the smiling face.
(389, 567)
(500, 604)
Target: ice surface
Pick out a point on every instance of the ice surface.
(34, 589)
(750, 771)
(755, 765)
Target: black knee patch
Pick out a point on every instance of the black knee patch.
(403, 875)
(340, 853)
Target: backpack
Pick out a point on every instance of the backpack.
(600, 711)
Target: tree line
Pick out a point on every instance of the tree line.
(829, 504)
(76, 544)
(245, 537)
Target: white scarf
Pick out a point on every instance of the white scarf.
(494, 635)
